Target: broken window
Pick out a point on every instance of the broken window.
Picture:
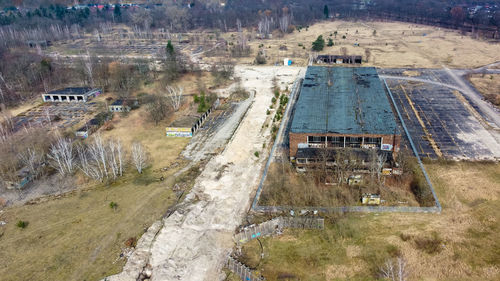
(335, 141)
(373, 142)
(315, 139)
(353, 142)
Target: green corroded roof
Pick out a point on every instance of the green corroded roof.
(344, 100)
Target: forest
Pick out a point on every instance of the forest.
(25, 70)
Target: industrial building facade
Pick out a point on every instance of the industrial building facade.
(342, 107)
(76, 94)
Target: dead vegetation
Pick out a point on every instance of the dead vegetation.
(284, 186)
(458, 244)
(488, 85)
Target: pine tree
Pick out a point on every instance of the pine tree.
(326, 12)
(319, 44)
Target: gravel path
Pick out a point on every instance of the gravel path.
(195, 240)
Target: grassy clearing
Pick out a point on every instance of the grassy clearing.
(79, 236)
(458, 244)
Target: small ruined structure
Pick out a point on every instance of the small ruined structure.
(123, 105)
(93, 125)
(75, 94)
(339, 59)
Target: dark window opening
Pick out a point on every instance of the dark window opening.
(335, 141)
(56, 98)
(47, 98)
(71, 98)
(353, 142)
(64, 98)
(315, 139)
(373, 142)
(79, 98)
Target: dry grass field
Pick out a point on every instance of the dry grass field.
(395, 44)
(78, 236)
(459, 244)
(488, 85)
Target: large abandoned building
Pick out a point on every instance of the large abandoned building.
(342, 107)
(76, 94)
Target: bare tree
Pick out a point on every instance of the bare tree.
(32, 159)
(87, 164)
(139, 156)
(395, 270)
(285, 20)
(343, 51)
(381, 159)
(61, 156)
(6, 127)
(264, 25)
(367, 54)
(101, 160)
(157, 109)
(88, 67)
(175, 96)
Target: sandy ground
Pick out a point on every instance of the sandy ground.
(196, 239)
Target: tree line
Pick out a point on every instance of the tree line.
(177, 16)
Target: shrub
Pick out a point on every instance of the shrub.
(273, 100)
(131, 242)
(260, 59)
(22, 224)
(256, 153)
(330, 42)
(430, 245)
(268, 112)
(405, 237)
(113, 205)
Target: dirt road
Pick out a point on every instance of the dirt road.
(194, 241)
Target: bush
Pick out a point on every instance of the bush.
(273, 100)
(268, 112)
(430, 245)
(22, 224)
(405, 237)
(260, 59)
(113, 205)
(256, 153)
(276, 92)
(330, 42)
(131, 242)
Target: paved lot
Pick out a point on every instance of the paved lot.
(440, 119)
